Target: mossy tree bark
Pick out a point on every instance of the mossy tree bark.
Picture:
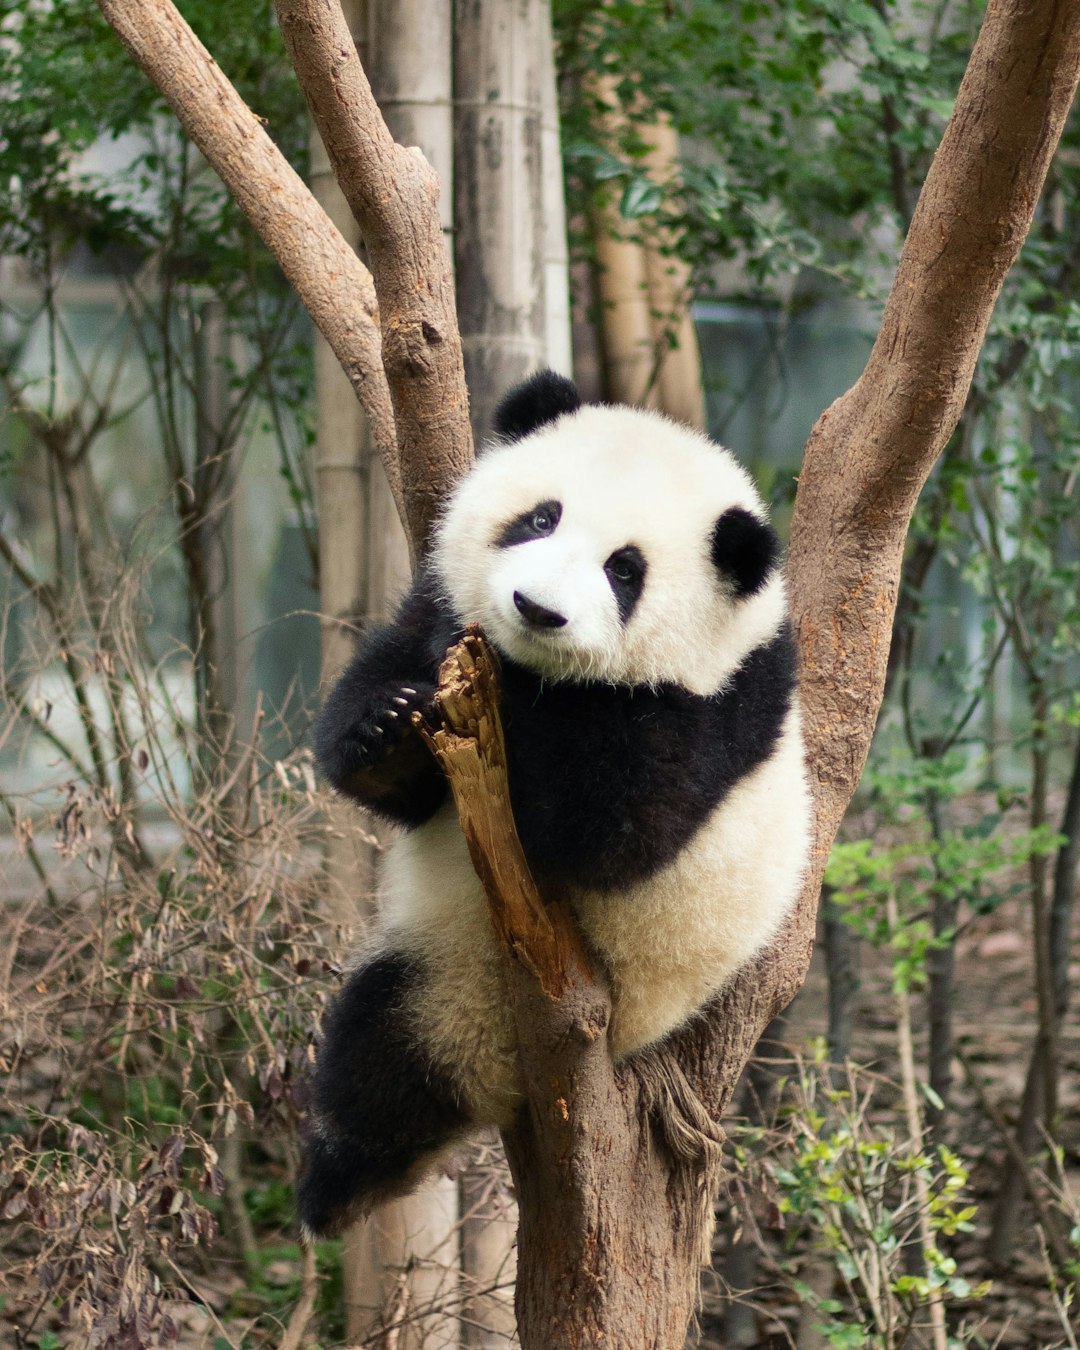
(616, 1169)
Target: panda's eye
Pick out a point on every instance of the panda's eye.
(625, 571)
(625, 566)
(535, 523)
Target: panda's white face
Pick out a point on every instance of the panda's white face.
(586, 551)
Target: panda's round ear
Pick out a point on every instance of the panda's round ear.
(541, 398)
(745, 549)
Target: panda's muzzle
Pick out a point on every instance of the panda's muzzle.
(536, 616)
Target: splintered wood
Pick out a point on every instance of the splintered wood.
(471, 747)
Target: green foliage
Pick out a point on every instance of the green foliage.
(846, 1179)
(909, 859)
(68, 83)
(806, 116)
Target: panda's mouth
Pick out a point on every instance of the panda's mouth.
(541, 639)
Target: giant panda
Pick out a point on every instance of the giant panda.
(624, 568)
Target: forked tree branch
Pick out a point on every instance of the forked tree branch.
(871, 452)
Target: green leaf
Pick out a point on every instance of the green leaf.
(640, 198)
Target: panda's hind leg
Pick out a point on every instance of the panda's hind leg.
(382, 1110)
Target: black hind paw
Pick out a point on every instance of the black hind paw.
(383, 1112)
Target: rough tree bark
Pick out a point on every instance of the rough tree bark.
(615, 1170)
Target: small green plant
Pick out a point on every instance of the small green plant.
(971, 862)
(1059, 1242)
(863, 1196)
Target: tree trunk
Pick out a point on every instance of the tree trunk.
(402, 1258)
(841, 946)
(680, 391)
(1028, 1137)
(940, 989)
(557, 323)
(341, 504)
(650, 346)
(622, 284)
(940, 982)
(498, 198)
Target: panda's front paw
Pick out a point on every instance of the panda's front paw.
(372, 733)
(404, 702)
(394, 720)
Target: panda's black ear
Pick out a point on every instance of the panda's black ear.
(541, 398)
(745, 549)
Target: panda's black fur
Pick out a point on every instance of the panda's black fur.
(610, 781)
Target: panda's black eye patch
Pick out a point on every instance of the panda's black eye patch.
(538, 521)
(745, 549)
(625, 571)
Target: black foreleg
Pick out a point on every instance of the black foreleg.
(382, 1110)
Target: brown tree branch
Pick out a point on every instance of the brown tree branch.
(471, 747)
(394, 195)
(333, 284)
(870, 453)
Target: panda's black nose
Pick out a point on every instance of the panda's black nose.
(536, 615)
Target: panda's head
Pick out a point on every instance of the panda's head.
(609, 544)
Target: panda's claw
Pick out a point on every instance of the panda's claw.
(391, 713)
(401, 702)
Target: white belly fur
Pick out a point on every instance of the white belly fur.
(669, 943)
